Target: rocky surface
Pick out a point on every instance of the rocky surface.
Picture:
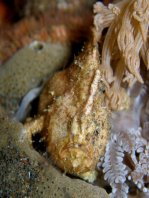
(27, 69)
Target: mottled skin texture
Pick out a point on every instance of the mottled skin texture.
(73, 116)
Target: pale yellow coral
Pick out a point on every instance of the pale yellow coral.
(125, 43)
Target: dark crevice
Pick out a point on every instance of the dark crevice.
(38, 143)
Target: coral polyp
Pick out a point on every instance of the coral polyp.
(125, 59)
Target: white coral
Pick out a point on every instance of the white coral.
(127, 144)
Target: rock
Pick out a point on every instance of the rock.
(27, 69)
